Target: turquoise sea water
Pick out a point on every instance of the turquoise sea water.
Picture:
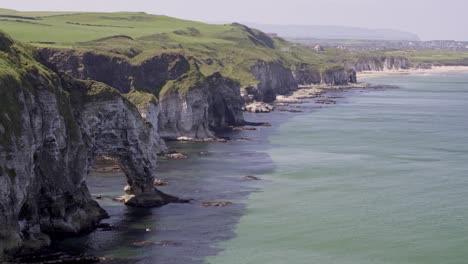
(379, 178)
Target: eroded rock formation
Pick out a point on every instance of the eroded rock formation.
(51, 129)
(149, 76)
(332, 76)
(194, 105)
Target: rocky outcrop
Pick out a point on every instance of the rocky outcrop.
(112, 126)
(259, 107)
(194, 106)
(51, 128)
(273, 79)
(338, 76)
(226, 102)
(184, 108)
(380, 63)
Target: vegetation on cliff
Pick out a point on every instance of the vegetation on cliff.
(18, 70)
(190, 80)
(141, 99)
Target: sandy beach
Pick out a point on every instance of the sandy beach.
(434, 70)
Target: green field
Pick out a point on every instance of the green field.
(231, 49)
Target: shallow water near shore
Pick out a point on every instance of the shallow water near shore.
(380, 177)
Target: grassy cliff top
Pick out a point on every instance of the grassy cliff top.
(64, 28)
(231, 49)
(141, 99)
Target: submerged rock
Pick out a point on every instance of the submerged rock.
(325, 101)
(251, 178)
(216, 204)
(189, 139)
(159, 182)
(175, 156)
(155, 243)
(244, 128)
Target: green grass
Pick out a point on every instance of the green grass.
(141, 99)
(20, 73)
(86, 91)
(231, 49)
(70, 28)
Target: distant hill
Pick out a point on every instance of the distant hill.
(334, 32)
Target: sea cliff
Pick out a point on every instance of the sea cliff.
(52, 126)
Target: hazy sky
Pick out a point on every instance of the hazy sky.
(430, 19)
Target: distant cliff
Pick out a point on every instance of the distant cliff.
(338, 75)
(380, 63)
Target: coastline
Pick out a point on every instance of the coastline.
(433, 70)
(344, 169)
(128, 235)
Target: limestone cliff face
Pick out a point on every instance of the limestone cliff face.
(42, 172)
(111, 125)
(51, 128)
(338, 76)
(206, 105)
(308, 77)
(225, 102)
(151, 114)
(185, 114)
(274, 79)
(332, 76)
(380, 64)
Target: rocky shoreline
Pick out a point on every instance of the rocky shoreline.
(308, 92)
